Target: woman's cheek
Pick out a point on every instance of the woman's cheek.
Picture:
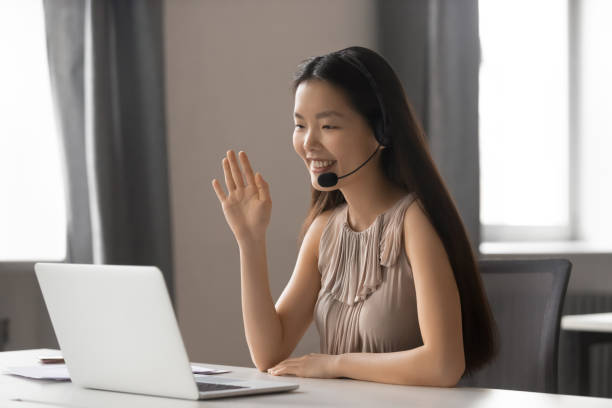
(298, 145)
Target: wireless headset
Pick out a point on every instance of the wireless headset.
(380, 127)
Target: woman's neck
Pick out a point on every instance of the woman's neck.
(367, 200)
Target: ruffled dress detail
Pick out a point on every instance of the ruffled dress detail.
(355, 259)
(367, 300)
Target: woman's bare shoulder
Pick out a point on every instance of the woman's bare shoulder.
(321, 221)
(315, 231)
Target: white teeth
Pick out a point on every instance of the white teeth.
(318, 164)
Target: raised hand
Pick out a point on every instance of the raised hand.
(247, 206)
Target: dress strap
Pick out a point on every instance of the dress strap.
(392, 243)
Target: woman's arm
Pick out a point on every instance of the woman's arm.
(418, 366)
(271, 332)
(440, 360)
(262, 326)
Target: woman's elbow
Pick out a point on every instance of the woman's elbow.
(450, 373)
(445, 368)
(449, 380)
(262, 368)
(263, 365)
(442, 372)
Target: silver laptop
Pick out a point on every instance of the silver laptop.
(117, 331)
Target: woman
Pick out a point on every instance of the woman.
(385, 267)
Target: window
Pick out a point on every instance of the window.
(594, 124)
(524, 120)
(545, 125)
(32, 208)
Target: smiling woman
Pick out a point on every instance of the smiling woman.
(385, 267)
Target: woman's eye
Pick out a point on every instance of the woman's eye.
(324, 126)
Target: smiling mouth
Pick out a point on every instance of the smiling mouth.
(321, 169)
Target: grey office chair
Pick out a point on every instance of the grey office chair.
(4, 330)
(526, 298)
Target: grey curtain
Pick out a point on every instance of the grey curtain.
(64, 21)
(434, 47)
(106, 67)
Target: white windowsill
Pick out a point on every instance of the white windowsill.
(548, 247)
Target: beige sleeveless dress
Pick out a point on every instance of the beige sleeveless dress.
(367, 301)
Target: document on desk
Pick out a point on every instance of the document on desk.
(207, 370)
(59, 372)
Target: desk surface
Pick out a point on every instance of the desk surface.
(596, 322)
(312, 392)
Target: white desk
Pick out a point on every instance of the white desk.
(595, 322)
(312, 392)
(587, 329)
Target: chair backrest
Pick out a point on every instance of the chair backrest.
(526, 298)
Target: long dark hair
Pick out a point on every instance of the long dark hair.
(408, 164)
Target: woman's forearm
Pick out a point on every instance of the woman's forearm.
(262, 324)
(418, 366)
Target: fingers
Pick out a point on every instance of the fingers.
(278, 366)
(220, 193)
(246, 165)
(284, 369)
(229, 180)
(262, 187)
(235, 169)
(287, 362)
(234, 180)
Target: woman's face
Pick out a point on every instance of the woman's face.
(328, 129)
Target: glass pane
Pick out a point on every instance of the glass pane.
(32, 208)
(523, 113)
(595, 192)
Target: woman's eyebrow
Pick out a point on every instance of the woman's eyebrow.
(320, 115)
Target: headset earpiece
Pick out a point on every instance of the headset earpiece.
(380, 135)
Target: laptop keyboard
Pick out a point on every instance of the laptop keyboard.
(204, 387)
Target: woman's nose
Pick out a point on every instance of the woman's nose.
(311, 139)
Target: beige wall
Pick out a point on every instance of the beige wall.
(229, 67)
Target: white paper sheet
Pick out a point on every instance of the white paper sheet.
(59, 372)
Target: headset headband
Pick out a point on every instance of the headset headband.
(380, 131)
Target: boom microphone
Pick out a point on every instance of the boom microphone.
(331, 179)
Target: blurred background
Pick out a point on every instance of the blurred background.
(115, 115)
